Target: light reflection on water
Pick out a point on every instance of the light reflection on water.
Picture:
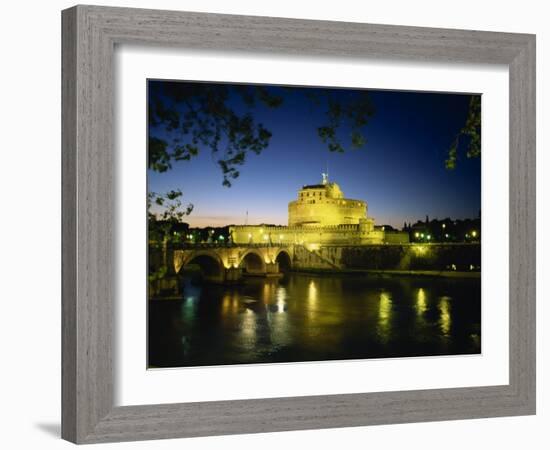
(281, 299)
(306, 318)
(384, 316)
(445, 319)
(421, 304)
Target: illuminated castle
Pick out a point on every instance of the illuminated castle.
(320, 216)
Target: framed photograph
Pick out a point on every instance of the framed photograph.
(278, 224)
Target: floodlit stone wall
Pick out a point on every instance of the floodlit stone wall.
(357, 234)
(325, 205)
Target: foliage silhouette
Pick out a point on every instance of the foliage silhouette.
(469, 136)
(187, 118)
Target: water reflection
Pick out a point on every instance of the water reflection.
(445, 315)
(281, 299)
(384, 316)
(248, 330)
(305, 318)
(421, 304)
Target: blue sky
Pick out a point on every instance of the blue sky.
(400, 172)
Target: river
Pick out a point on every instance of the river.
(304, 317)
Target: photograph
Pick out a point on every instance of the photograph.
(295, 223)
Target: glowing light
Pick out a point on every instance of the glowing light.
(248, 329)
(445, 315)
(312, 292)
(419, 250)
(446, 235)
(384, 315)
(416, 234)
(421, 235)
(226, 303)
(428, 237)
(421, 305)
(474, 233)
(384, 309)
(281, 297)
(443, 225)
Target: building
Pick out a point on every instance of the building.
(321, 215)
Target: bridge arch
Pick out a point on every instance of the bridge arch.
(284, 260)
(253, 262)
(210, 263)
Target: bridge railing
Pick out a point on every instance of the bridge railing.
(213, 245)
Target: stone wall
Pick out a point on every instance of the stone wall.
(326, 211)
(460, 257)
(326, 258)
(396, 237)
(352, 234)
(324, 205)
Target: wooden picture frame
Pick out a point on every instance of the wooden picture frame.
(90, 34)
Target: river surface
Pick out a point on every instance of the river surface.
(305, 317)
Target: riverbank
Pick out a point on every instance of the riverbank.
(392, 273)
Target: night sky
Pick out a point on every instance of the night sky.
(400, 172)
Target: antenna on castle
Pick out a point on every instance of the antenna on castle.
(325, 175)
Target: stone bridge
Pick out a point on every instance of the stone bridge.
(230, 263)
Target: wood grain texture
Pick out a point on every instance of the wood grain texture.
(89, 36)
(68, 226)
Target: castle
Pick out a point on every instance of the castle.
(321, 215)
